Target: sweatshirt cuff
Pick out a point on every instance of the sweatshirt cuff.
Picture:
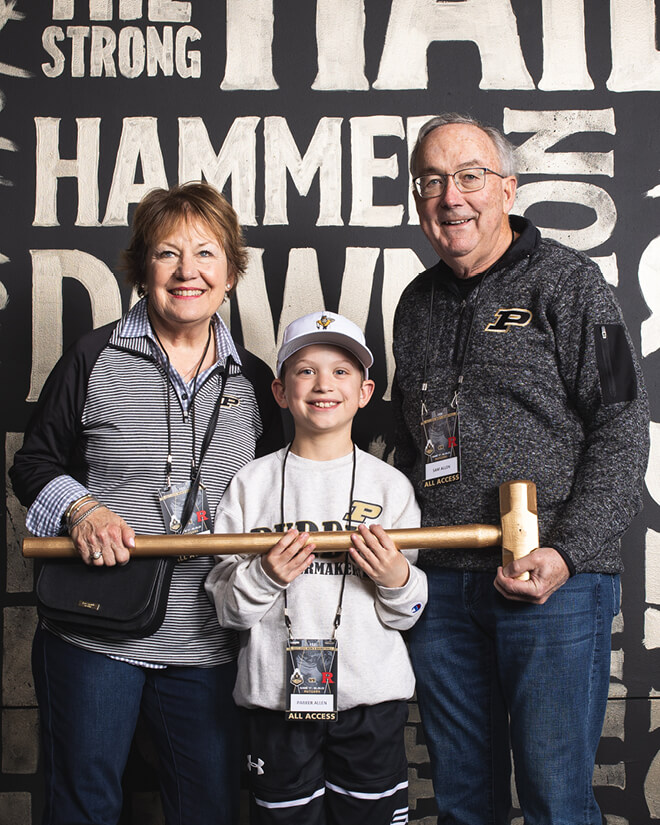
(262, 580)
(569, 562)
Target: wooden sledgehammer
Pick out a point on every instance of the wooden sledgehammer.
(517, 535)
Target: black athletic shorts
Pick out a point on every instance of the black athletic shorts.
(350, 772)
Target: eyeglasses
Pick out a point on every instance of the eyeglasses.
(465, 180)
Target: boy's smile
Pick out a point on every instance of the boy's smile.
(323, 387)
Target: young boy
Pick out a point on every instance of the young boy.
(323, 669)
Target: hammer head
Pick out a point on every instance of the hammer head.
(520, 522)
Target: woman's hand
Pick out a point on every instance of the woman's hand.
(375, 553)
(103, 537)
(288, 558)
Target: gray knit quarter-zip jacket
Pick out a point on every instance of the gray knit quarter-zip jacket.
(552, 392)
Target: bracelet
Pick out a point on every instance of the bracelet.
(75, 505)
(84, 515)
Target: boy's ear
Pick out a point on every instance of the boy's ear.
(278, 391)
(366, 391)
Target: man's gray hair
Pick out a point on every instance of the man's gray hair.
(504, 147)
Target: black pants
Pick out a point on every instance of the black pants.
(350, 772)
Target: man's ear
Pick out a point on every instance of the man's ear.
(509, 187)
(366, 391)
(279, 392)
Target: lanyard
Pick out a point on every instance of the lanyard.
(337, 620)
(195, 466)
(461, 369)
(168, 379)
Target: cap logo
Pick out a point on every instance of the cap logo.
(324, 322)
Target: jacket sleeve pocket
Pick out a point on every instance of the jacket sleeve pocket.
(616, 369)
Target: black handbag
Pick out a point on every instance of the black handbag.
(117, 602)
(123, 601)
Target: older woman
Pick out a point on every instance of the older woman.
(122, 429)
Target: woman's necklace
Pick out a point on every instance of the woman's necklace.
(196, 367)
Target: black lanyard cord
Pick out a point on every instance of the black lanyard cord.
(337, 620)
(168, 378)
(461, 370)
(195, 465)
(191, 497)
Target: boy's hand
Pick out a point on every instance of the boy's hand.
(374, 552)
(289, 557)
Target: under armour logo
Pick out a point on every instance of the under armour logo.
(505, 318)
(258, 765)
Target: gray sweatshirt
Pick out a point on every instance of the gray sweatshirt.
(373, 659)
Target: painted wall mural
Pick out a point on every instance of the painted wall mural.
(304, 113)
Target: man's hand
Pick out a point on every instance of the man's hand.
(288, 558)
(547, 572)
(374, 552)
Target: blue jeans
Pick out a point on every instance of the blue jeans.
(493, 674)
(89, 706)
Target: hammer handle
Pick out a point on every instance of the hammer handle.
(219, 544)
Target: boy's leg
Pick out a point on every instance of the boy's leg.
(366, 766)
(285, 769)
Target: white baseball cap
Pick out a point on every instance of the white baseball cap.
(324, 328)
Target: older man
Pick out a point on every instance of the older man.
(513, 362)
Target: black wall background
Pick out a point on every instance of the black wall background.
(586, 121)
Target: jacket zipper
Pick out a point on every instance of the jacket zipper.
(608, 360)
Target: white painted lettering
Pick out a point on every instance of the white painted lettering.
(159, 11)
(550, 127)
(50, 167)
(77, 34)
(139, 141)
(365, 167)
(571, 191)
(340, 28)
(323, 156)
(101, 53)
(237, 159)
(169, 11)
(48, 41)
(49, 268)
(131, 51)
(188, 64)
(249, 46)
(160, 51)
(635, 59)
(415, 24)
(564, 51)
